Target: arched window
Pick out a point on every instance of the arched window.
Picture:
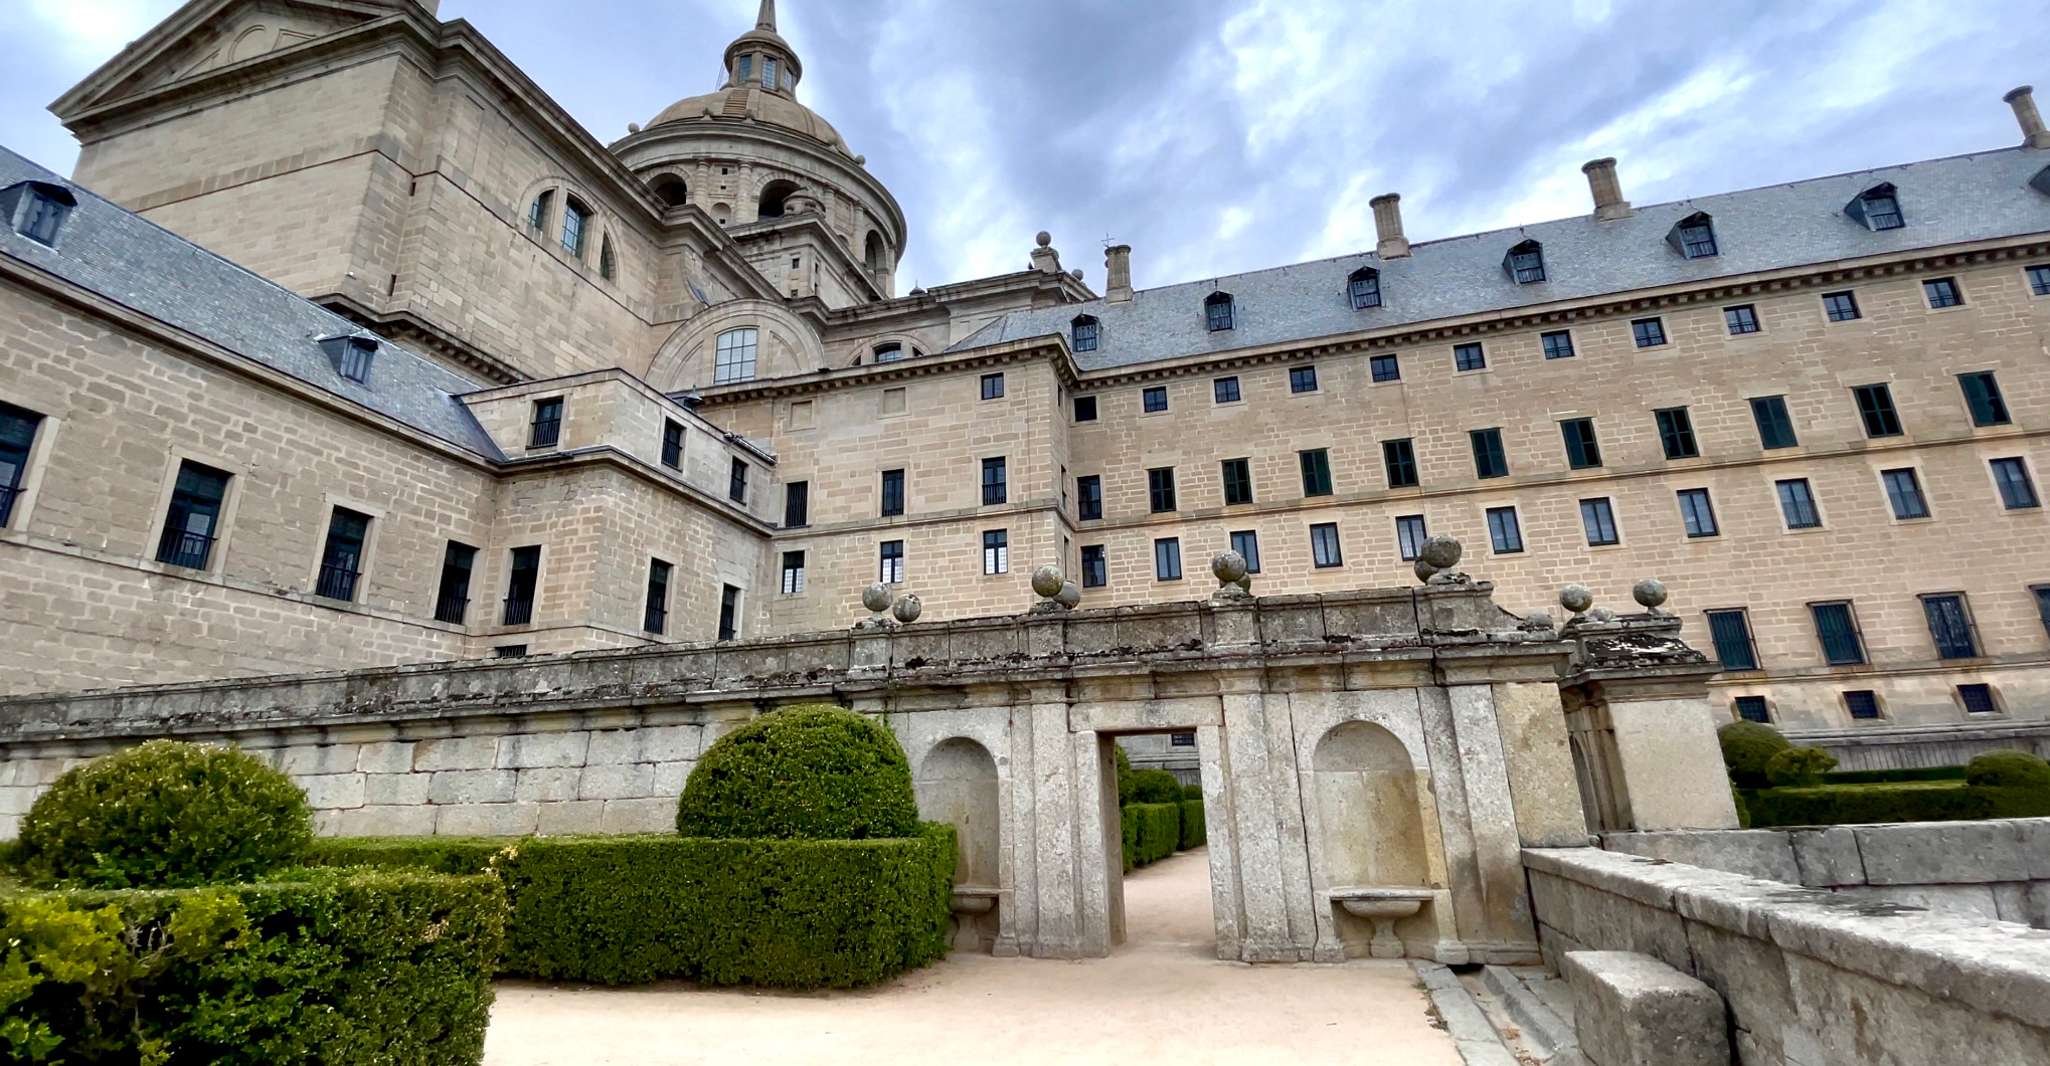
(888, 353)
(773, 195)
(608, 266)
(721, 213)
(872, 252)
(1694, 236)
(735, 358)
(671, 190)
(1878, 207)
(576, 221)
(537, 212)
(1363, 287)
(1082, 333)
(1218, 311)
(1526, 263)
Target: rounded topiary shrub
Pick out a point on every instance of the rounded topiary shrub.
(1747, 748)
(1795, 767)
(165, 814)
(1155, 786)
(806, 773)
(1192, 792)
(2008, 769)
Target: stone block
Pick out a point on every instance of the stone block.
(521, 751)
(548, 783)
(307, 759)
(332, 791)
(456, 753)
(473, 786)
(668, 778)
(486, 819)
(1632, 1010)
(611, 747)
(1935, 853)
(616, 782)
(1827, 857)
(2027, 902)
(1751, 852)
(385, 757)
(2034, 834)
(1962, 901)
(638, 816)
(396, 789)
(387, 820)
(15, 799)
(672, 743)
(573, 816)
(10, 826)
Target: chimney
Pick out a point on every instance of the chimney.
(2023, 100)
(1117, 265)
(1608, 192)
(1388, 227)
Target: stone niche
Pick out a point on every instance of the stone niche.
(1373, 857)
(957, 783)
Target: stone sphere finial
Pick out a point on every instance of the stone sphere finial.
(1245, 583)
(1044, 239)
(633, 128)
(876, 597)
(1649, 593)
(1442, 552)
(1076, 273)
(1070, 595)
(1047, 581)
(1576, 598)
(907, 608)
(1424, 571)
(1228, 566)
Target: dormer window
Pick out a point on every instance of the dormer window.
(1694, 236)
(1526, 263)
(537, 212)
(351, 355)
(1082, 333)
(889, 353)
(2041, 181)
(1217, 311)
(1878, 207)
(37, 209)
(576, 219)
(768, 72)
(1364, 287)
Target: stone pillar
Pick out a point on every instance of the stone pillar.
(1643, 727)
(1510, 933)
(1117, 276)
(1271, 857)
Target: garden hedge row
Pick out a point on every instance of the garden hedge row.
(1194, 834)
(314, 966)
(1882, 802)
(630, 909)
(1152, 831)
(1914, 773)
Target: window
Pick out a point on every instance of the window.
(575, 219)
(195, 516)
(1582, 452)
(1095, 570)
(2039, 280)
(1363, 288)
(2017, 492)
(1775, 426)
(1504, 532)
(1181, 740)
(1752, 709)
(1469, 357)
(746, 72)
(1942, 293)
(1950, 626)
(768, 72)
(509, 651)
(1731, 632)
(672, 443)
(893, 493)
(1385, 368)
(1167, 559)
(1302, 379)
(1238, 481)
(995, 482)
(2042, 594)
(1246, 542)
(1160, 489)
(1598, 515)
(734, 359)
(793, 573)
(1324, 549)
(1904, 492)
(1840, 306)
(1875, 408)
(1085, 408)
(1410, 535)
(546, 427)
(1741, 319)
(1676, 433)
(341, 559)
(1797, 504)
(1977, 699)
(17, 437)
(1836, 627)
(352, 355)
(655, 619)
(1557, 344)
(1225, 390)
(1982, 397)
(1695, 237)
(1697, 514)
(890, 569)
(452, 602)
(1649, 332)
(1488, 460)
(1082, 334)
(1526, 263)
(1089, 497)
(1861, 703)
(797, 505)
(996, 551)
(736, 482)
(1217, 311)
(1316, 464)
(887, 353)
(1878, 208)
(608, 263)
(1154, 398)
(1398, 457)
(729, 612)
(537, 212)
(992, 386)
(43, 208)
(523, 577)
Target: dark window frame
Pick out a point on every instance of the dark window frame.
(522, 584)
(452, 590)
(1983, 398)
(1904, 495)
(1741, 320)
(1315, 464)
(1775, 423)
(996, 481)
(1148, 396)
(1841, 306)
(890, 562)
(1741, 705)
(672, 444)
(1798, 509)
(1525, 263)
(1978, 698)
(1326, 550)
(1226, 389)
(1237, 478)
(1085, 403)
(1302, 379)
(1246, 542)
(1698, 523)
(1399, 463)
(1385, 367)
(1877, 413)
(993, 386)
(655, 612)
(1583, 446)
(1167, 556)
(1089, 497)
(1084, 333)
(729, 612)
(1942, 293)
(1490, 457)
(791, 578)
(796, 504)
(1956, 634)
(2012, 479)
(179, 544)
(1411, 531)
(1695, 236)
(996, 552)
(2038, 278)
(343, 555)
(736, 481)
(1557, 344)
(19, 428)
(1862, 704)
(1602, 511)
(1220, 312)
(1724, 638)
(1842, 645)
(890, 503)
(1469, 356)
(1160, 490)
(1505, 530)
(1648, 332)
(1095, 567)
(1363, 288)
(544, 425)
(1676, 433)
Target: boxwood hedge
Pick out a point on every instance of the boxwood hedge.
(812, 772)
(1153, 831)
(1931, 801)
(315, 966)
(1194, 834)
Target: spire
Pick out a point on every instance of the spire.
(767, 19)
(762, 58)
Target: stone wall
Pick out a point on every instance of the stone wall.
(1886, 748)
(1811, 978)
(1995, 870)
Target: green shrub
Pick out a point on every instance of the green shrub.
(1933, 801)
(1743, 809)
(447, 855)
(1193, 831)
(1799, 766)
(1747, 748)
(1155, 829)
(1126, 786)
(1156, 786)
(320, 966)
(1192, 792)
(2008, 769)
(164, 814)
(1909, 773)
(801, 773)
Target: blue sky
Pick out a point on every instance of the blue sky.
(1224, 135)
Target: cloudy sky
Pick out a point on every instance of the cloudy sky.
(1225, 135)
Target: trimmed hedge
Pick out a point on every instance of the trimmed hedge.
(631, 909)
(812, 772)
(1155, 786)
(1905, 802)
(447, 855)
(1799, 767)
(1193, 829)
(2008, 769)
(1192, 792)
(1154, 831)
(316, 966)
(1912, 773)
(1126, 785)
(1747, 748)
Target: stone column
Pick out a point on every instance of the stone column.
(1045, 800)
(1275, 920)
(1510, 934)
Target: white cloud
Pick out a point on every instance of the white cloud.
(93, 31)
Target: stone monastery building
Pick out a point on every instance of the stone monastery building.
(346, 346)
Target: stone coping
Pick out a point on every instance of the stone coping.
(1884, 854)
(2000, 967)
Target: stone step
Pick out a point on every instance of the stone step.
(1478, 1041)
(1545, 1033)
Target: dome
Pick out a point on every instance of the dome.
(738, 103)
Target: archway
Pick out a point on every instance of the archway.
(773, 196)
(1155, 843)
(957, 783)
(671, 190)
(873, 255)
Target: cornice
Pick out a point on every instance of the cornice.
(901, 370)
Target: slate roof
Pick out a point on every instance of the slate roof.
(140, 265)
(1943, 201)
